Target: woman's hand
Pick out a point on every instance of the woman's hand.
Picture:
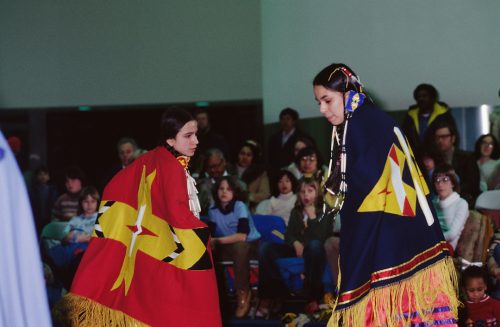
(299, 249)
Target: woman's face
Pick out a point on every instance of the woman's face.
(487, 146)
(443, 185)
(89, 206)
(225, 193)
(307, 195)
(245, 157)
(285, 185)
(308, 164)
(185, 141)
(331, 104)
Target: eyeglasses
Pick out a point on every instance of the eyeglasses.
(444, 179)
(309, 158)
(488, 144)
(442, 137)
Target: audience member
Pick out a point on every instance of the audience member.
(43, 195)
(66, 205)
(78, 232)
(208, 139)
(487, 153)
(422, 116)
(282, 204)
(251, 170)
(280, 145)
(234, 236)
(127, 150)
(215, 166)
(464, 164)
(304, 237)
(482, 310)
(493, 264)
(454, 210)
(310, 164)
(300, 143)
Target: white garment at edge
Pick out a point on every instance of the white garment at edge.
(23, 298)
(455, 211)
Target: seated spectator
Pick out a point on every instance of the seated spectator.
(283, 204)
(207, 139)
(487, 153)
(310, 164)
(481, 310)
(67, 256)
(451, 208)
(66, 206)
(304, 237)
(300, 143)
(463, 162)
(43, 195)
(250, 170)
(422, 116)
(234, 236)
(215, 166)
(493, 264)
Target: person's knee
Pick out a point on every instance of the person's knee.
(314, 248)
(332, 245)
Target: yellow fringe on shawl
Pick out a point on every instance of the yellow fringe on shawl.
(74, 310)
(387, 302)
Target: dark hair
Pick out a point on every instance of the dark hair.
(87, 191)
(172, 120)
(199, 111)
(338, 77)
(307, 151)
(234, 185)
(256, 168)
(290, 112)
(125, 140)
(74, 172)
(448, 170)
(477, 147)
(426, 87)
(291, 177)
(474, 272)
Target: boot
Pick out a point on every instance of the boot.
(243, 303)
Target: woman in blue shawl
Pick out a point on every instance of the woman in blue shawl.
(395, 268)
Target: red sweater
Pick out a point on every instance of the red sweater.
(487, 310)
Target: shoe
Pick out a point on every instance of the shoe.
(263, 309)
(243, 303)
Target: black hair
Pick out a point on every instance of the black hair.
(75, 172)
(290, 112)
(474, 272)
(338, 77)
(307, 151)
(256, 168)
(495, 154)
(172, 120)
(426, 87)
(291, 177)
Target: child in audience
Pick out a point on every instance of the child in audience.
(283, 204)
(234, 239)
(481, 309)
(452, 210)
(67, 256)
(304, 237)
(66, 205)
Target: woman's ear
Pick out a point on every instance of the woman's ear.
(170, 142)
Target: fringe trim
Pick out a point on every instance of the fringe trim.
(75, 310)
(418, 293)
